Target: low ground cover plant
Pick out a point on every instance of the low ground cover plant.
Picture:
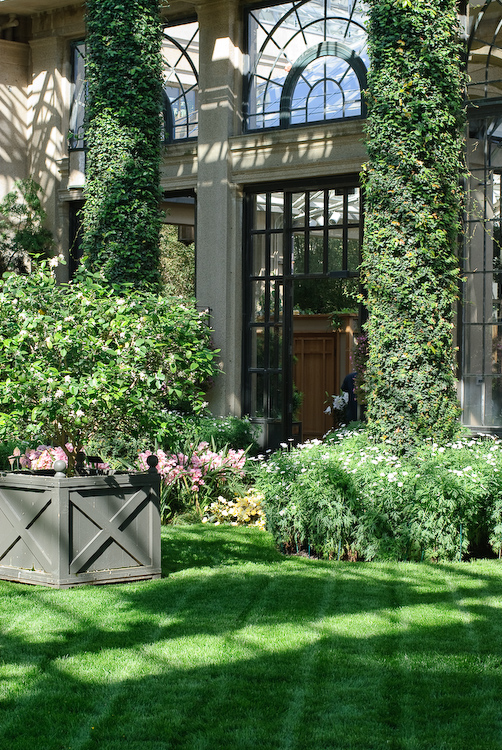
(245, 509)
(351, 498)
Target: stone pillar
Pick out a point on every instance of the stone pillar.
(13, 113)
(47, 133)
(219, 233)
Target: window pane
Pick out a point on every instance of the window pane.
(276, 302)
(316, 251)
(276, 347)
(257, 358)
(276, 255)
(477, 350)
(258, 300)
(335, 207)
(79, 91)
(258, 250)
(353, 250)
(257, 394)
(495, 418)
(277, 210)
(353, 206)
(298, 209)
(275, 395)
(316, 209)
(299, 252)
(335, 250)
(259, 207)
(180, 52)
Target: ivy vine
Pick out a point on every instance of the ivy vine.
(123, 68)
(413, 206)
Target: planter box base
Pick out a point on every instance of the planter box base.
(64, 532)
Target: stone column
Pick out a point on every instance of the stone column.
(13, 113)
(219, 233)
(47, 134)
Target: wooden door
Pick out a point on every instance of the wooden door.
(314, 373)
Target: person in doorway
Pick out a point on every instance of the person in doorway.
(348, 386)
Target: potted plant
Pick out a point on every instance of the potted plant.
(73, 358)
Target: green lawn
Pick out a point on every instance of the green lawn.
(238, 647)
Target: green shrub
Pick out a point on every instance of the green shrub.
(78, 360)
(177, 264)
(180, 430)
(22, 231)
(230, 432)
(437, 503)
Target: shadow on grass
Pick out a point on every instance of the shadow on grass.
(198, 546)
(244, 648)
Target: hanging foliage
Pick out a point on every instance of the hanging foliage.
(123, 68)
(412, 218)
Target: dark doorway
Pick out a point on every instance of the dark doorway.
(302, 253)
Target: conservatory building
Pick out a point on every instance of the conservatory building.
(263, 143)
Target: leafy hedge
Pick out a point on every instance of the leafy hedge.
(123, 68)
(22, 230)
(355, 499)
(78, 360)
(412, 218)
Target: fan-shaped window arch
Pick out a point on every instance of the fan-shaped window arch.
(180, 50)
(484, 51)
(307, 62)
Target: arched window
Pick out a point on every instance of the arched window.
(307, 63)
(484, 51)
(180, 50)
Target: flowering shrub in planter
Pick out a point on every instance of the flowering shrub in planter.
(85, 354)
(192, 479)
(43, 457)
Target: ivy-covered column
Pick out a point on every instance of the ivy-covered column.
(121, 216)
(412, 218)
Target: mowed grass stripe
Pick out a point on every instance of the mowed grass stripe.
(242, 648)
